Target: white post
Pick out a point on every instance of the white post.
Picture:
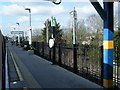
(74, 25)
(18, 33)
(47, 33)
(118, 15)
(30, 36)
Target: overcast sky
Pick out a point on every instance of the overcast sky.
(13, 11)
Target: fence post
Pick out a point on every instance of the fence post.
(60, 54)
(50, 54)
(54, 54)
(42, 49)
(102, 68)
(38, 49)
(116, 66)
(75, 58)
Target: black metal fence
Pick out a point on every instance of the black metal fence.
(84, 60)
(116, 67)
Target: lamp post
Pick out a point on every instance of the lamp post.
(74, 13)
(18, 33)
(47, 27)
(30, 32)
(14, 35)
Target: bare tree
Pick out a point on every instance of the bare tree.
(95, 24)
(81, 31)
(36, 35)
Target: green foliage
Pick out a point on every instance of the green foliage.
(117, 46)
(58, 31)
(117, 37)
(67, 38)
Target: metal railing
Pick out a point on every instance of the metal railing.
(89, 60)
(116, 67)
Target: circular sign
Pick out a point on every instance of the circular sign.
(51, 43)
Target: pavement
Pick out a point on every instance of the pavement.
(33, 71)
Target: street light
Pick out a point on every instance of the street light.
(74, 15)
(14, 35)
(30, 32)
(47, 27)
(18, 33)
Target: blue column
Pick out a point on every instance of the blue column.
(108, 45)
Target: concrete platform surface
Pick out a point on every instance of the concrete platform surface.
(40, 73)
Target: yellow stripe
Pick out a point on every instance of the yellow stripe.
(108, 44)
(30, 50)
(108, 83)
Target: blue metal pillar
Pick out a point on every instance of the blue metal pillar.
(108, 45)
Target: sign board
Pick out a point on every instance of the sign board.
(53, 21)
(17, 32)
(51, 43)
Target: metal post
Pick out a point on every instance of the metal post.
(60, 62)
(47, 33)
(118, 15)
(108, 46)
(53, 36)
(74, 25)
(101, 65)
(18, 33)
(75, 58)
(30, 32)
(74, 40)
(42, 49)
(30, 42)
(14, 35)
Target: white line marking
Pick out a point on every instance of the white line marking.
(6, 69)
(17, 69)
